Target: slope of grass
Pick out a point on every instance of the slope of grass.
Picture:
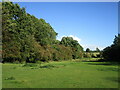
(65, 74)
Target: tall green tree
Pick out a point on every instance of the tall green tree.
(97, 50)
(11, 44)
(29, 39)
(45, 34)
(111, 53)
(88, 50)
(77, 49)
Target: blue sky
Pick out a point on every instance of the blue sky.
(93, 24)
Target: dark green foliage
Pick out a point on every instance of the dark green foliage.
(18, 41)
(111, 53)
(29, 39)
(97, 50)
(29, 65)
(68, 41)
(44, 33)
(88, 50)
(75, 46)
(10, 78)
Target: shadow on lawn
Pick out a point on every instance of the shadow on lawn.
(37, 66)
(47, 66)
(103, 62)
(114, 79)
(52, 66)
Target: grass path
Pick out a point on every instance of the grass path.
(65, 74)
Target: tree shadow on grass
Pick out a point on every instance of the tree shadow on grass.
(52, 66)
(47, 66)
(103, 62)
(10, 78)
(109, 69)
(114, 79)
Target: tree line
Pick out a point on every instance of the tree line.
(26, 38)
(29, 39)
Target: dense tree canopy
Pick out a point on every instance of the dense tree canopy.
(26, 38)
(88, 50)
(76, 47)
(97, 50)
(29, 39)
(111, 53)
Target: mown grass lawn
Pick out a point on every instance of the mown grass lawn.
(65, 74)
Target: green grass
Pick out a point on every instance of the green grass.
(65, 74)
(0, 76)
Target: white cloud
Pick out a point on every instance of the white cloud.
(90, 46)
(74, 37)
(60, 37)
(93, 47)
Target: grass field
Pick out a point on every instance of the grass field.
(65, 74)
